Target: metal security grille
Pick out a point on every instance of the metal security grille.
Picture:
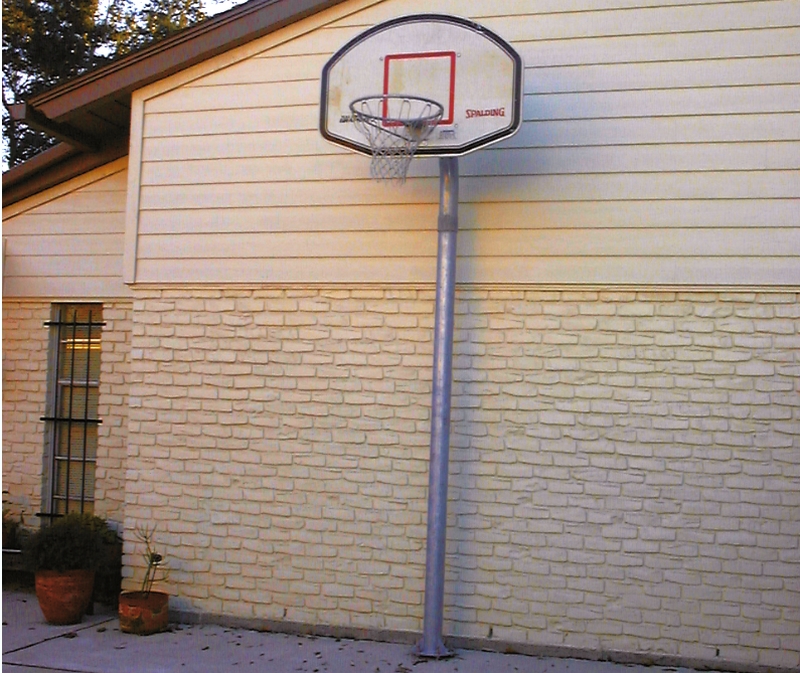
(73, 419)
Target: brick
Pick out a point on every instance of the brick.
(591, 433)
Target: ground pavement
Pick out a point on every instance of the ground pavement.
(97, 646)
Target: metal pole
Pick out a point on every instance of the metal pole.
(432, 644)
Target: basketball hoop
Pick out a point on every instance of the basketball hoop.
(473, 105)
(394, 126)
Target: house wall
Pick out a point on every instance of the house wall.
(624, 470)
(25, 343)
(112, 435)
(64, 245)
(624, 465)
(25, 360)
(67, 242)
(659, 147)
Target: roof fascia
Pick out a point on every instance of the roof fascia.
(23, 112)
(54, 166)
(230, 29)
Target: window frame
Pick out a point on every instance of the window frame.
(62, 331)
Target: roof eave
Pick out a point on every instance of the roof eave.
(54, 166)
(51, 111)
(230, 29)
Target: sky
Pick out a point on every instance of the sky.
(212, 6)
(217, 6)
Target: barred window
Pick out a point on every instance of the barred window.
(72, 418)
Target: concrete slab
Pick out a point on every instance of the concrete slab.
(24, 624)
(98, 646)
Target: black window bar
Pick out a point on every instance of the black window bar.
(67, 333)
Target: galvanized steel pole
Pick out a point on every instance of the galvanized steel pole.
(432, 644)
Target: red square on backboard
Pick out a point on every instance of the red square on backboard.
(429, 74)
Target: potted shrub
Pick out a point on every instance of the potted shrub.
(64, 557)
(146, 611)
(11, 530)
(14, 536)
(108, 576)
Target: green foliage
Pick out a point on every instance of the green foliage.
(130, 27)
(13, 531)
(46, 42)
(73, 542)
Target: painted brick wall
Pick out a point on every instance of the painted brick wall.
(25, 361)
(25, 341)
(625, 467)
(112, 434)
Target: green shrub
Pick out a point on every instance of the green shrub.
(73, 542)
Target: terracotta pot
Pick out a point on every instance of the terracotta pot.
(142, 613)
(64, 596)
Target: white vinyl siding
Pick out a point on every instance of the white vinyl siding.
(660, 146)
(67, 242)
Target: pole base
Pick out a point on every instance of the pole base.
(438, 651)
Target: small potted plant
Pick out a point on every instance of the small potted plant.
(146, 611)
(64, 556)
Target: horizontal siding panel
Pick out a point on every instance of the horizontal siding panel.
(669, 75)
(355, 245)
(59, 288)
(621, 242)
(544, 107)
(647, 20)
(717, 129)
(660, 141)
(71, 245)
(329, 270)
(43, 224)
(66, 244)
(301, 219)
(235, 145)
(665, 102)
(623, 46)
(636, 271)
(480, 10)
(117, 182)
(506, 270)
(694, 46)
(654, 215)
(709, 185)
(237, 96)
(64, 267)
(582, 78)
(210, 122)
(649, 130)
(266, 68)
(112, 203)
(560, 25)
(587, 215)
(625, 159)
(635, 159)
(705, 52)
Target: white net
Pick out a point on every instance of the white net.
(394, 126)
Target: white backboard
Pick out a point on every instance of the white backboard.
(474, 74)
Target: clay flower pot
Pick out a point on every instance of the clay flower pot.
(64, 596)
(143, 613)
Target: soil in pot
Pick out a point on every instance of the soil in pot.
(142, 613)
(64, 596)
